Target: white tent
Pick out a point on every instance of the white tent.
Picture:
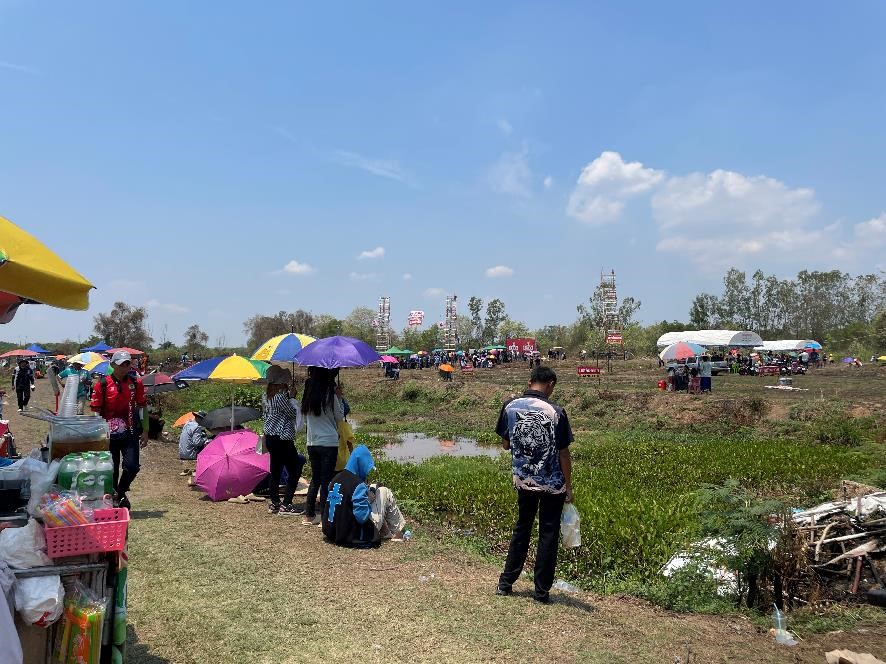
(711, 338)
(783, 345)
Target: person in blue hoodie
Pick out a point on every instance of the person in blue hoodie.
(357, 514)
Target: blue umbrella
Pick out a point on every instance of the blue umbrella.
(336, 352)
(814, 345)
(100, 347)
(37, 349)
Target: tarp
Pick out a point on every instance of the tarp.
(785, 345)
(711, 338)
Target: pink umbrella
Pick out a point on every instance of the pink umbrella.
(390, 358)
(229, 466)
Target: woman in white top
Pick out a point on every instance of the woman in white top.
(283, 420)
(323, 409)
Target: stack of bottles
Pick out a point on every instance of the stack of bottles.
(90, 474)
(79, 634)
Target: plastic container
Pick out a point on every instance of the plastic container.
(108, 533)
(68, 470)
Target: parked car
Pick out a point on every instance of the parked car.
(717, 366)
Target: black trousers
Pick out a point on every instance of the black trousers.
(125, 450)
(23, 394)
(322, 459)
(283, 455)
(548, 506)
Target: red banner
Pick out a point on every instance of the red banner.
(588, 371)
(613, 339)
(524, 345)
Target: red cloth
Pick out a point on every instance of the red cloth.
(111, 398)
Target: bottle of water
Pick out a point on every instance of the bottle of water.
(86, 484)
(104, 472)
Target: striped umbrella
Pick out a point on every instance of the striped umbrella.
(281, 350)
(87, 359)
(682, 350)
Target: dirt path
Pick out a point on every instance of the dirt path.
(219, 582)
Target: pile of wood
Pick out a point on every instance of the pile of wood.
(846, 538)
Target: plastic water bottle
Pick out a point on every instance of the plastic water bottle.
(104, 473)
(779, 622)
(407, 535)
(86, 484)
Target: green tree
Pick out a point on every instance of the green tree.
(260, 327)
(360, 324)
(512, 329)
(195, 340)
(124, 325)
(475, 306)
(495, 314)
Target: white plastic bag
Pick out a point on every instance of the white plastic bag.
(40, 600)
(570, 522)
(23, 548)
(41, 480)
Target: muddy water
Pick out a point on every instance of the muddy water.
(416, 447)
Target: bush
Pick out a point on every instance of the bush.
(838, 430)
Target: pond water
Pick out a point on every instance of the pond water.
(417, 447)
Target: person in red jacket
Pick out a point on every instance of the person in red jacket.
(120, 399)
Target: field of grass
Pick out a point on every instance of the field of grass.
(640, 455)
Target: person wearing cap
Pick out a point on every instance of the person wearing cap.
(85, 382)
(120, 398)
(283, 419)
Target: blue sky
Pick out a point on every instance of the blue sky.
(216, 160)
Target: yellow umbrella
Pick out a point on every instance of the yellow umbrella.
(88, 359)
(31, 271)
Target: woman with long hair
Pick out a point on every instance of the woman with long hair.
(283, 419)
(323, 409)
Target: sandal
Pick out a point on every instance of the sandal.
(254, 498)
(240, 500)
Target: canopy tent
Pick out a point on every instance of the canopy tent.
(787, 345)
(37, 348)
(100, 347)
(711, 338)
(393, 350)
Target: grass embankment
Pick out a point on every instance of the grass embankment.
(640, 457)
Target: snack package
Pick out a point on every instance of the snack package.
(79, 635)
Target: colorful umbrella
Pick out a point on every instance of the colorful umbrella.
(230, 368)
(229, 466)
(281, 350)
(103, 368)
(124, 349)
(681, 350)
(812, 345)
(33, 273)
(338, 351)
(848, 360)
(88, 359)
(100, 347)
(19, 352)
(882, 358)
(448, 368)
(390, 359)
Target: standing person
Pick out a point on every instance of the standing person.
(23, 383)
(323, 409)
(85, 382)
(538, 434)
(283, 419)
(704, 371)
(117, 397)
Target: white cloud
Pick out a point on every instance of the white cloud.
(505, 127)
(871, 232)
(434, 292)
(868, 240)
(511, 174)
(294, 267)
(605, 184)
(362, 276)
(24, 69)
(378, 252)
(548, 182)
(407, 276)
(499, 271)
(382, 167)
(170, 307)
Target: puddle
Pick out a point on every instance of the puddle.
(416, 447)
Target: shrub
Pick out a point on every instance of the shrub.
(838, 430)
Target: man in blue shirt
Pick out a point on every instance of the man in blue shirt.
(83, 386)
(537, 433)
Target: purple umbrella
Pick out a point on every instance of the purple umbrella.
(848, 360)
(335, 352)
(229, 466)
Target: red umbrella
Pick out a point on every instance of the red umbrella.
(131, 351)
(19, 353)
(158, 383)
(229, 466)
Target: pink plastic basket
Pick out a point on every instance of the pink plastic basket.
(108, 533)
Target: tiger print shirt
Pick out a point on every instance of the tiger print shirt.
(537, 430)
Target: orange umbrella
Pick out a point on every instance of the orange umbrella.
(184, 419)
(447, 368)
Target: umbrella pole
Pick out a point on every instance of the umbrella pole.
(233, 392)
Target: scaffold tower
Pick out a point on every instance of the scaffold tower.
(612, 330)
(383, 324)
(450, 323)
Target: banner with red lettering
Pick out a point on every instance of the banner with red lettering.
(522, 345)
(416, 318)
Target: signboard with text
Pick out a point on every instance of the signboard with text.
(522, 345)
(614, 339)
(588, 371)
